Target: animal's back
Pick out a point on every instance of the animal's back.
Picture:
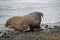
(11, 20)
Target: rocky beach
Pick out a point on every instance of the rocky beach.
(45, 34)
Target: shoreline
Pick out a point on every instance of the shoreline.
(40, 35)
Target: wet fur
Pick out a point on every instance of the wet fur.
(32, 21)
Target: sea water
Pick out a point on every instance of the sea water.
(50, 9)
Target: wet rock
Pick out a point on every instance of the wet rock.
(35, 35)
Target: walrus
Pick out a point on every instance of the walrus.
(31, 20)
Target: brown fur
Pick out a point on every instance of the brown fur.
(32, 21)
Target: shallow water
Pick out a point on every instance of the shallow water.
(50, 9)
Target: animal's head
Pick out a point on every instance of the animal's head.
(40, 14)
